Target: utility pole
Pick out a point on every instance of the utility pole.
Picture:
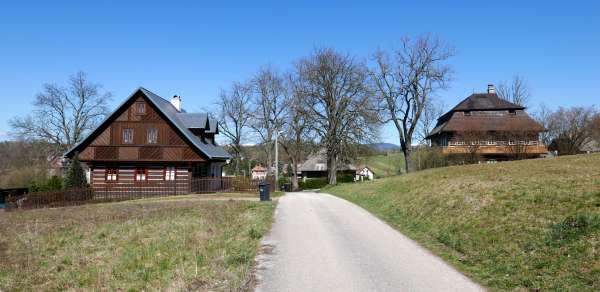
(276, 160)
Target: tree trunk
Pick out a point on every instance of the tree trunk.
(332, 169)
(295, 185)
(407, 151)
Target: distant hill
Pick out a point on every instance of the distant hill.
(384, 147)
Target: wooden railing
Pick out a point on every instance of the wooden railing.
(495, 149)
(139, 190)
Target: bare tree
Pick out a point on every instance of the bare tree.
(234, 116)
(571, 128)
(269, 106)
(406, 81)
(517, 91)
(296, 131)
(542, 116)
(432, 111)
(337, 101)
(471, 140)
(64, 115)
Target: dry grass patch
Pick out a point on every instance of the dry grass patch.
(523, 225)
(183, 243)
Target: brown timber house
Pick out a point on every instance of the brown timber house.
(489, 127)
(149, 143)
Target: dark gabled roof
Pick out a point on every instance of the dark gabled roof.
(180, 121)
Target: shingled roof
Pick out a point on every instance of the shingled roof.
(455, 121)
(181, 121)
(485, 101)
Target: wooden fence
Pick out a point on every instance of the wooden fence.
(139, 190)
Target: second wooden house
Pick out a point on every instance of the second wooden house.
(491, 128)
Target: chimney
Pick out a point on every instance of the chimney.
(491, 89)
(176, 102)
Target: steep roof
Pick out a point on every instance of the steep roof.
(179, 120)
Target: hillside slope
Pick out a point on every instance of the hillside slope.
(383, 164)
(522, 225)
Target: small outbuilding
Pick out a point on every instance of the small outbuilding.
(259, 172)
(364, 173)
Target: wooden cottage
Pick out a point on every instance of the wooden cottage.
(490, 127)
(151, 144)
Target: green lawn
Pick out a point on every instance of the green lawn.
(384, 164)
(522, 225)
(174, 243)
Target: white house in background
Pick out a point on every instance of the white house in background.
(259, 172)
(364, 173)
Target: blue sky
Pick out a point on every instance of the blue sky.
(193, 49)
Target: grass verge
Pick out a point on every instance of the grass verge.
(186, 243)
(524, 225)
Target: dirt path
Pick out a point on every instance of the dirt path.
(323, 243)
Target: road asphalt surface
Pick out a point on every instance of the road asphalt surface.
(323, 243)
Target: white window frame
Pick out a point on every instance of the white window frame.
(128, 136)
(170, 173)
(151, 136)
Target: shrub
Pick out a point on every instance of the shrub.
(75, 177)
(313, 183)
(573, 227)
(54, 183)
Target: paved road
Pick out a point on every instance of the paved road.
(323, 243)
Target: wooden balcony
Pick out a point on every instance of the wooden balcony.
(495, 149)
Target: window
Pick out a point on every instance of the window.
(491, 142)
(170, 173)
(141, 174)
(111, 174)
(512, 112)
(467, 113)
(127, 136)
(140, 108)
(152, 135)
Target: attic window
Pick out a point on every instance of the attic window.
(140, 108)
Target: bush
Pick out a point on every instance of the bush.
(54, 183)
(345, 178)
(313, 183)
(573, 227)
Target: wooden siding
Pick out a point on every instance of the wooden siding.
(126, 180)
(500, 150)
(169, 146)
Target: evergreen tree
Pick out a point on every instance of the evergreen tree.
(75, 176)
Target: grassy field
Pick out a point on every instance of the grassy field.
(174, 243)
(524, 225)
(384, 164)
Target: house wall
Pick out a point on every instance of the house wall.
(110, 145)
(154, 184)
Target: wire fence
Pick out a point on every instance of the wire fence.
(116, 191)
